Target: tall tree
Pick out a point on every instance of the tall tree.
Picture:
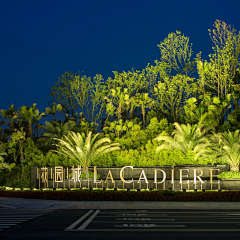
(131, 104)
(219, 73)
(155, 74)
(135, 81)
(117, 101)
(171, 94)
(54, 108)
(18, 137)
(89, 94)
(98, 93)
(10, 115)
(62, 93)
(144, 101)
(30, 115)
(176, 51)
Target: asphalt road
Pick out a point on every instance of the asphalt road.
(118, 224)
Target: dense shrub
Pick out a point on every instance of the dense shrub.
(147, 156)
(35, 157)
(229, 174)
(18, 177)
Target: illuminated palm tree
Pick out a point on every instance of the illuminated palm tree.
(187, 138)
(83, 150)
(117, 101)
(144, 101)
(131, 104)
(229, 148)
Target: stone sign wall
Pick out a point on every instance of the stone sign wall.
(189, 177)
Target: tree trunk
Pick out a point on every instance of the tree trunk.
(234, 168)
(131, 114)
(143, 113)
(30, 130)
(12, 126)
(22, 157)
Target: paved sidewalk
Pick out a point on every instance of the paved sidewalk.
(24, 203)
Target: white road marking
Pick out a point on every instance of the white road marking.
(24, 216)
(84, 225)
(79, 220)
(143, 219)
(8, 220)
(16, 218)
(3, 224)
(148, 225)
(219, 214)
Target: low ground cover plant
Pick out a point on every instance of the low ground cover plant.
(229, 175)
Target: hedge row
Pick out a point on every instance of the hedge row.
(93, 195)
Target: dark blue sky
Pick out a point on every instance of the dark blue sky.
(42, 39)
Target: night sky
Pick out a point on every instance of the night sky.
(41, 40)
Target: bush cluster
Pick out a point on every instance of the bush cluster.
(229, 175)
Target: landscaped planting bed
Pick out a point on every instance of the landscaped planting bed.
(140, 130)
(116, 195)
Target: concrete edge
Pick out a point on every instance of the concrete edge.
(128, 208)
(6, 206)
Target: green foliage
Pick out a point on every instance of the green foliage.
(154, 96)
(118, 128)
(176, 52)
(171, 93)
(187, 139)
(144, 101)
(89, 94)
(84, 126)
(3, 164)
(84, 149)
(30, 115)
(220, 72)
(19, 177)
(18, 138)
(148, 157)
(135, 138)
(209, 112)
(233, 121)
(108, 159)
(229, 175)
(158, 127)
(13, 150)
(90, 175)
(35, 157)
(55, 107)
(10, 115)
(62, 93)
(53, 130)
(228, 148)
